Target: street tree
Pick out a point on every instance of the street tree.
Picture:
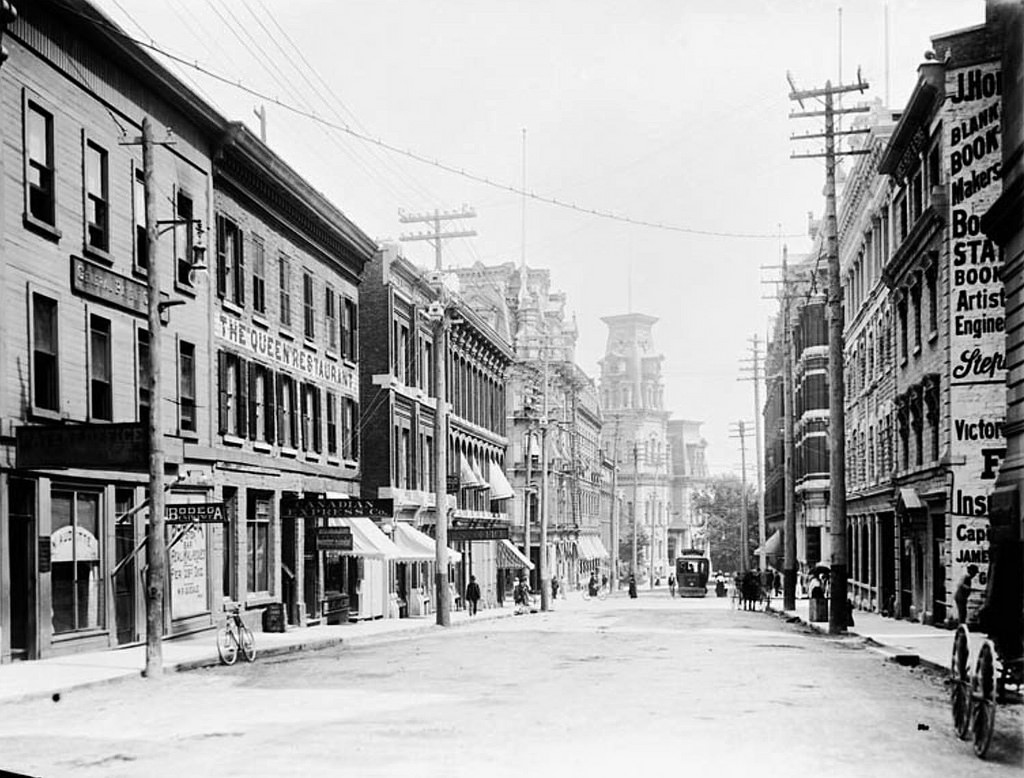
(721, 502)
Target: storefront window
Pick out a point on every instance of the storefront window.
(77, 585)
(258, 544)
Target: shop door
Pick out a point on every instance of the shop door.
(938, 570)
(288, 567)
(125, 579)
(21, 534)
(311, 576)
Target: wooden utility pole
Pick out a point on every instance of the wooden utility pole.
(613, 583)
(443, 612)
(756, 370)
(789, 564)
(636, 507)
(542, 568)
(741, 434)
(156, 553)
(435, 218)
(837, 412)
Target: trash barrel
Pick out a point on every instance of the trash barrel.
(273, 617)
(818, 609)
(335, 607)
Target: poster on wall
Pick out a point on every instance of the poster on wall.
(189, 574)
(977, 377)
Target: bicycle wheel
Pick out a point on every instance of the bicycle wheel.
(984, 699)
(227, 645)
(602, 594)
(960, 689)
(248, 642)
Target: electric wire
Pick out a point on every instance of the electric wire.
(439, 164)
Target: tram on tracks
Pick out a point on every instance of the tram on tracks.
(692, 571)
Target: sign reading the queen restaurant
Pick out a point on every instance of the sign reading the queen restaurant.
(977, 342)
(280, 351)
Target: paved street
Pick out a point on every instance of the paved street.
(594, 688)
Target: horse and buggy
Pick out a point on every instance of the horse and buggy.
(998, 668)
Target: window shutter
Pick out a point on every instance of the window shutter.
(304, 410)
(222, 392)
(355, 429)
(355, 332)
(344, 327)
(317, 432)
(222, 259)
(240, 269)
(254, 375)
(282, 436)
(269, 405)
(242, 411)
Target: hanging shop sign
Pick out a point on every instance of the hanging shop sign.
(98, 283)
(195, 513)
(323, 508)
(45, 554)
(478, 533)
(452, 483)
(123, 446)
(333, 539)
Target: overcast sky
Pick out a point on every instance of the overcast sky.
(670, 112)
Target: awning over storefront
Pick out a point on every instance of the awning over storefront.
(773, 545)
(511, 557)
(501, 489)
(481, 482)
(591, 547)
(367, 539)
(413, 545)
(909, 498)
(466, 475)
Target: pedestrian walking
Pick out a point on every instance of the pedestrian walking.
(472, 595)
(554, 587)
(963, 593)
(632, 587)
(672, 584)
(777, 583)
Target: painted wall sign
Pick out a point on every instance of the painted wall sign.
(188, 563)
(282, 352)
(45, 557)
(478, 533)
(73, 544)
(977, 373)
(337, 509)
(123, 446)
(198, 513)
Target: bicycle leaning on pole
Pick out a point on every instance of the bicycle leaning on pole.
(234, 635)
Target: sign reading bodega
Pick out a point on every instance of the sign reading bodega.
(279, 350)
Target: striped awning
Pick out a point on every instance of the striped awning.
(511, 557)
(591, 547)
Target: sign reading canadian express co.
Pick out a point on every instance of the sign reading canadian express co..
(124, 446)
(195, 513)
(315, 508)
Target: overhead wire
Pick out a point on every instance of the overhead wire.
(439, 164)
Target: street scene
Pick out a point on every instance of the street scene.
(465, 388)
(592, 686)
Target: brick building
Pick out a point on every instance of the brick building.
(398, 392)
(948, 314)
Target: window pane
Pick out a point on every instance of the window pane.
(38, 136)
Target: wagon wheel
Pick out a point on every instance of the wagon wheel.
(960, 690)
(983, 698)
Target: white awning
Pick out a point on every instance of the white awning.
(591, 547)
(773, 545)
(599, 549)
(511, 557)
(466, 475)
(481, 482)
(910, 498)
(413, 545)
(501, 489)
(367, 539)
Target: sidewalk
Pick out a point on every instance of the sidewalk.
(46, 677)
(901, 641)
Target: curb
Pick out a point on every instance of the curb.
(275, 651)
(902, 658)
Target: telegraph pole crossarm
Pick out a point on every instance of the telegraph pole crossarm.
(837, 412)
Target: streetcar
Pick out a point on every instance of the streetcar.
(692, 570)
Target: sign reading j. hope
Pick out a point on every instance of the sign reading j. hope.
(977, 343)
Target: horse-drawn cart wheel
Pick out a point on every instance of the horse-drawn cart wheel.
(983, 698)
(960, 690)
